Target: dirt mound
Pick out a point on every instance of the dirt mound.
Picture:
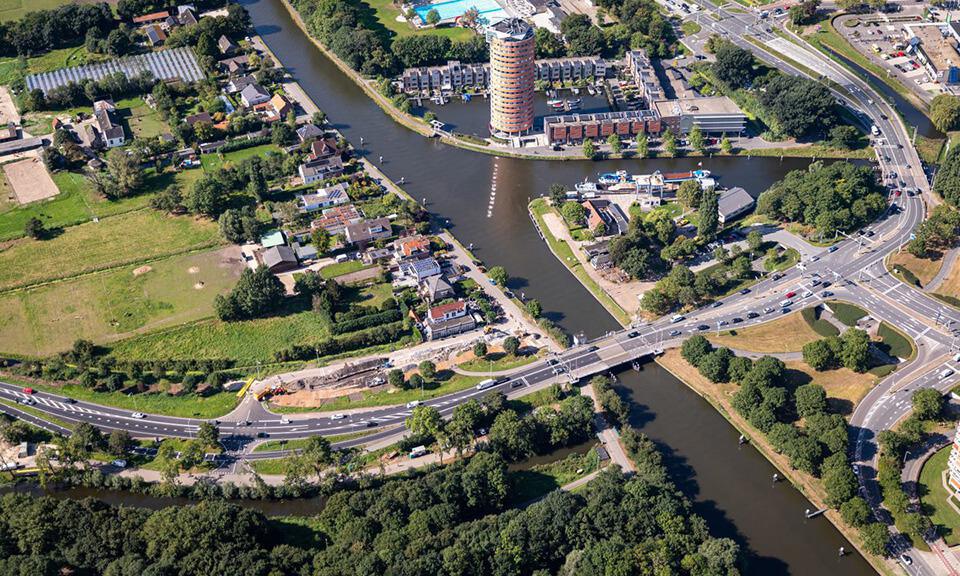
(142, 270)
(193, 270)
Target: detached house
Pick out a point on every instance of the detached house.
(420, 270)
(253, 94)
(367, 231)
(111, 131)
(448, 320)
(227, 47)
(323, 198)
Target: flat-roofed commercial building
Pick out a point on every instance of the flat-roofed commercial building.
(714, 115)
(512, 76)
(574, 128)
(935, 46)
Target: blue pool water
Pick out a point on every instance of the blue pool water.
(489, 10)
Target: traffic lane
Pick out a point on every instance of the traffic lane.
(34, 420)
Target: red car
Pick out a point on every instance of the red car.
(28, 390)
(789, 295)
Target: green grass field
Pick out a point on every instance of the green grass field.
(897, 344)
(341, 268)
(112, 242)
(497, 361)
(847, 313)
(78, 203)
(13, 70)
(139, 119)
(933, 497)
(386, 15)
(545, 478)
(16, 9)
(211, 162)
(110, 305)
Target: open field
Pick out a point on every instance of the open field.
(342, 268)
(496, 361)
(950, 287)
(110, 305)
(12, 69)
(933, 498)
(78, 203)
(848, 314)
(30, 180)
(897, 344)
(921, 269)
(845, 386)
(769, 337)
(16, 9)
(112, 242)
(545, 478)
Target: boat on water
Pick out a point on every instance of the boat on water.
(575, 90)
(556, 104)
(591, 90)
(466, 97)
(701, 174)
(576, 102)
(609, 178)
(672, 177)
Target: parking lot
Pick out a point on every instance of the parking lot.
(883, 40)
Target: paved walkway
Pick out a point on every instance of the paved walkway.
(949, 259)
(609, 435)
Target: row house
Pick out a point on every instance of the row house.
(644, 76)
(455, 75)
(573, 128)
(570, 69)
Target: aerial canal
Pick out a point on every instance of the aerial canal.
(485, 200)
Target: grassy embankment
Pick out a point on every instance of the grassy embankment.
(564, 253)
(935, 498)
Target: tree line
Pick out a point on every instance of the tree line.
(767, 399)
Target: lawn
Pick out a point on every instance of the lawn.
(16, 9)
(769, 337)
(690, 27)
(446, 382)
(897, 344)
(78, 203)
(843, 385)
(950, 287)
(300, 443)
(375, 294)
(212, 162)
(125, 239)
(139, 119)
(922, 270)
(933, 497)
(386, 15)
(565, 254)
(190, 406)
(114, 304)
(848, 314)
(819, 325)
(341, 268)
(12, 70)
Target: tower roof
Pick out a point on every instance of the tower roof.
(511, 29)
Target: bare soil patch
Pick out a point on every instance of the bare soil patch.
(142, 270)
(30, 180)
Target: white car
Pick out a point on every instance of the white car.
(137, 415)
(413, 403)
(338, 416)
(119, 463)
(284, 420)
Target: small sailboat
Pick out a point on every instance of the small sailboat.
(591, 90)
(575, 103)
(555, 104)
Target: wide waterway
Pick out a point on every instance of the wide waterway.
(485, 200)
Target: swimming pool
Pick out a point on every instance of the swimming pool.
(489, 10)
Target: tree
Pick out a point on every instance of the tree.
(695, 348)
(690, 193)
(855, 352)
(844, 137)
(804, 13)
(534, 308)
(511, 345)
(574, 213)
(208, 434)
(754, 241)
(416, 381)
(589, 150)
(498, 275)
(258, 292)
(927, 403)
(819, 355)
(614, 142)
(643, 146)
(804, 454)
(697, 140)
(320, 239)
(558, 192)
(725, 145)
(709, 215)
(427, 369)
(875, 536)
(945, 112)
(548, 44)
(433, 17)
(841, 485)
(463, 423)
(669, 144)
(480, 349)
(317, 454)
(810, 399)
(713, 366)
(739, 367)
(35, 228)
(855, 512)
(395, 378)
(799, 105)
(734, 65)
(119, 442)
(511, 436)
(125, 171)
(425, 421)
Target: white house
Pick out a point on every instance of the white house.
(323, 198)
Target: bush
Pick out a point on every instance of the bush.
(367, 321)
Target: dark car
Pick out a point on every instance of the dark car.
(551, 361)
(745, 291)
(633, 334)
(777, 276)
(737, 320)
(752, 315)
(703, 327)
(262, 435)
(372, 423)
